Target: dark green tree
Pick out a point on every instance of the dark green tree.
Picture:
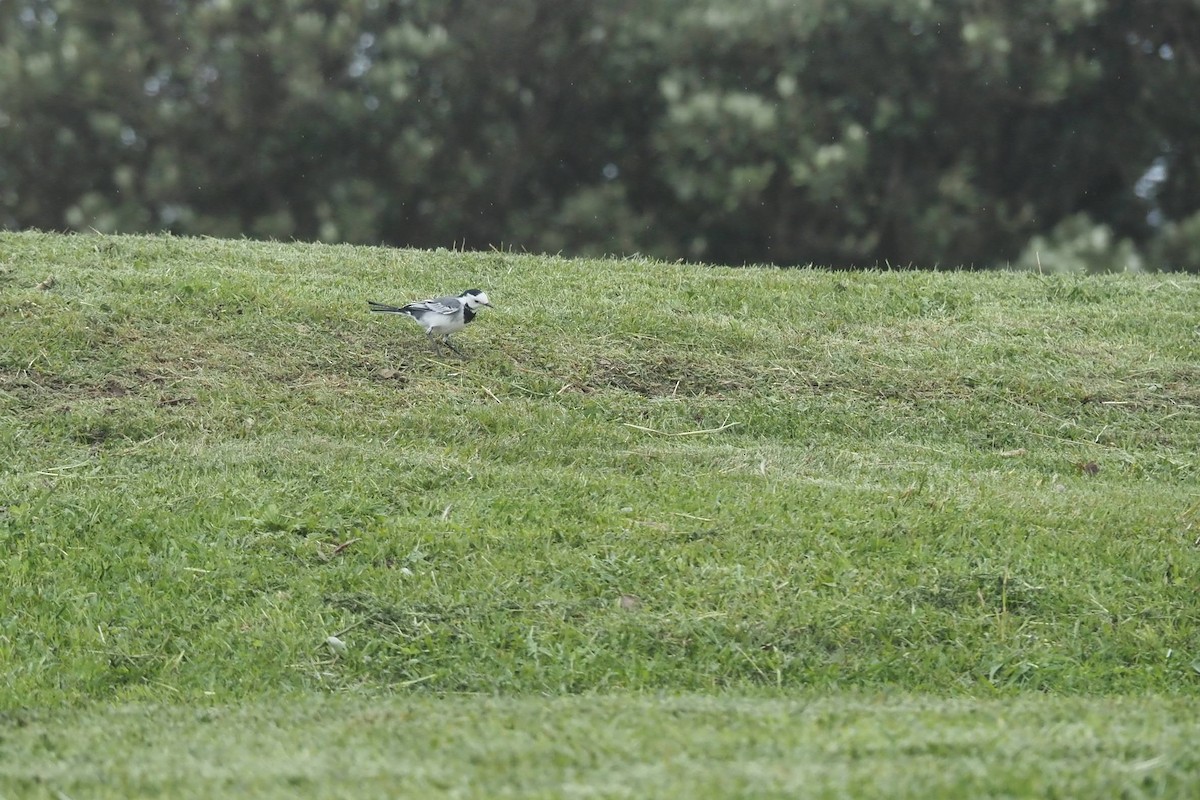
(852, 133)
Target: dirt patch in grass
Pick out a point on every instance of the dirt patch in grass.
(982, 593)
(1146, 395)
(34, 388)
(662, 375)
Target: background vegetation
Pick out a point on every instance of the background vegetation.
(1052, 134)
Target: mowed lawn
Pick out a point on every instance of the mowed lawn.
(667, 530)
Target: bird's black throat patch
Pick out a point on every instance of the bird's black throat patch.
(468, 313)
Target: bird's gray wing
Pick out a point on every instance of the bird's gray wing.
(438, 305)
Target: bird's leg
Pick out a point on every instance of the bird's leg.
(452, 347)
(437, 347)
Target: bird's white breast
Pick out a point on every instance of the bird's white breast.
(442, 322)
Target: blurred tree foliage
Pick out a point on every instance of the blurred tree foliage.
(923, 132)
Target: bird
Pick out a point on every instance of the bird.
(440, 316)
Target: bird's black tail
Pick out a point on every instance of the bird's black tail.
(383, 308)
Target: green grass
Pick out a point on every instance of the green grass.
(584, 746)
(746, 490)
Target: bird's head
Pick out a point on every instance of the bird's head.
(474, 298)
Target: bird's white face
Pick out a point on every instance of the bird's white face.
(477, 300)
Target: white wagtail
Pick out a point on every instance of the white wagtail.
(440, 316)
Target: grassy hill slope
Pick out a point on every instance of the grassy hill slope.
(215, 459)
(644, 477)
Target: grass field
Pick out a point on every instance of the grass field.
(666, 531)
(614, 746)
